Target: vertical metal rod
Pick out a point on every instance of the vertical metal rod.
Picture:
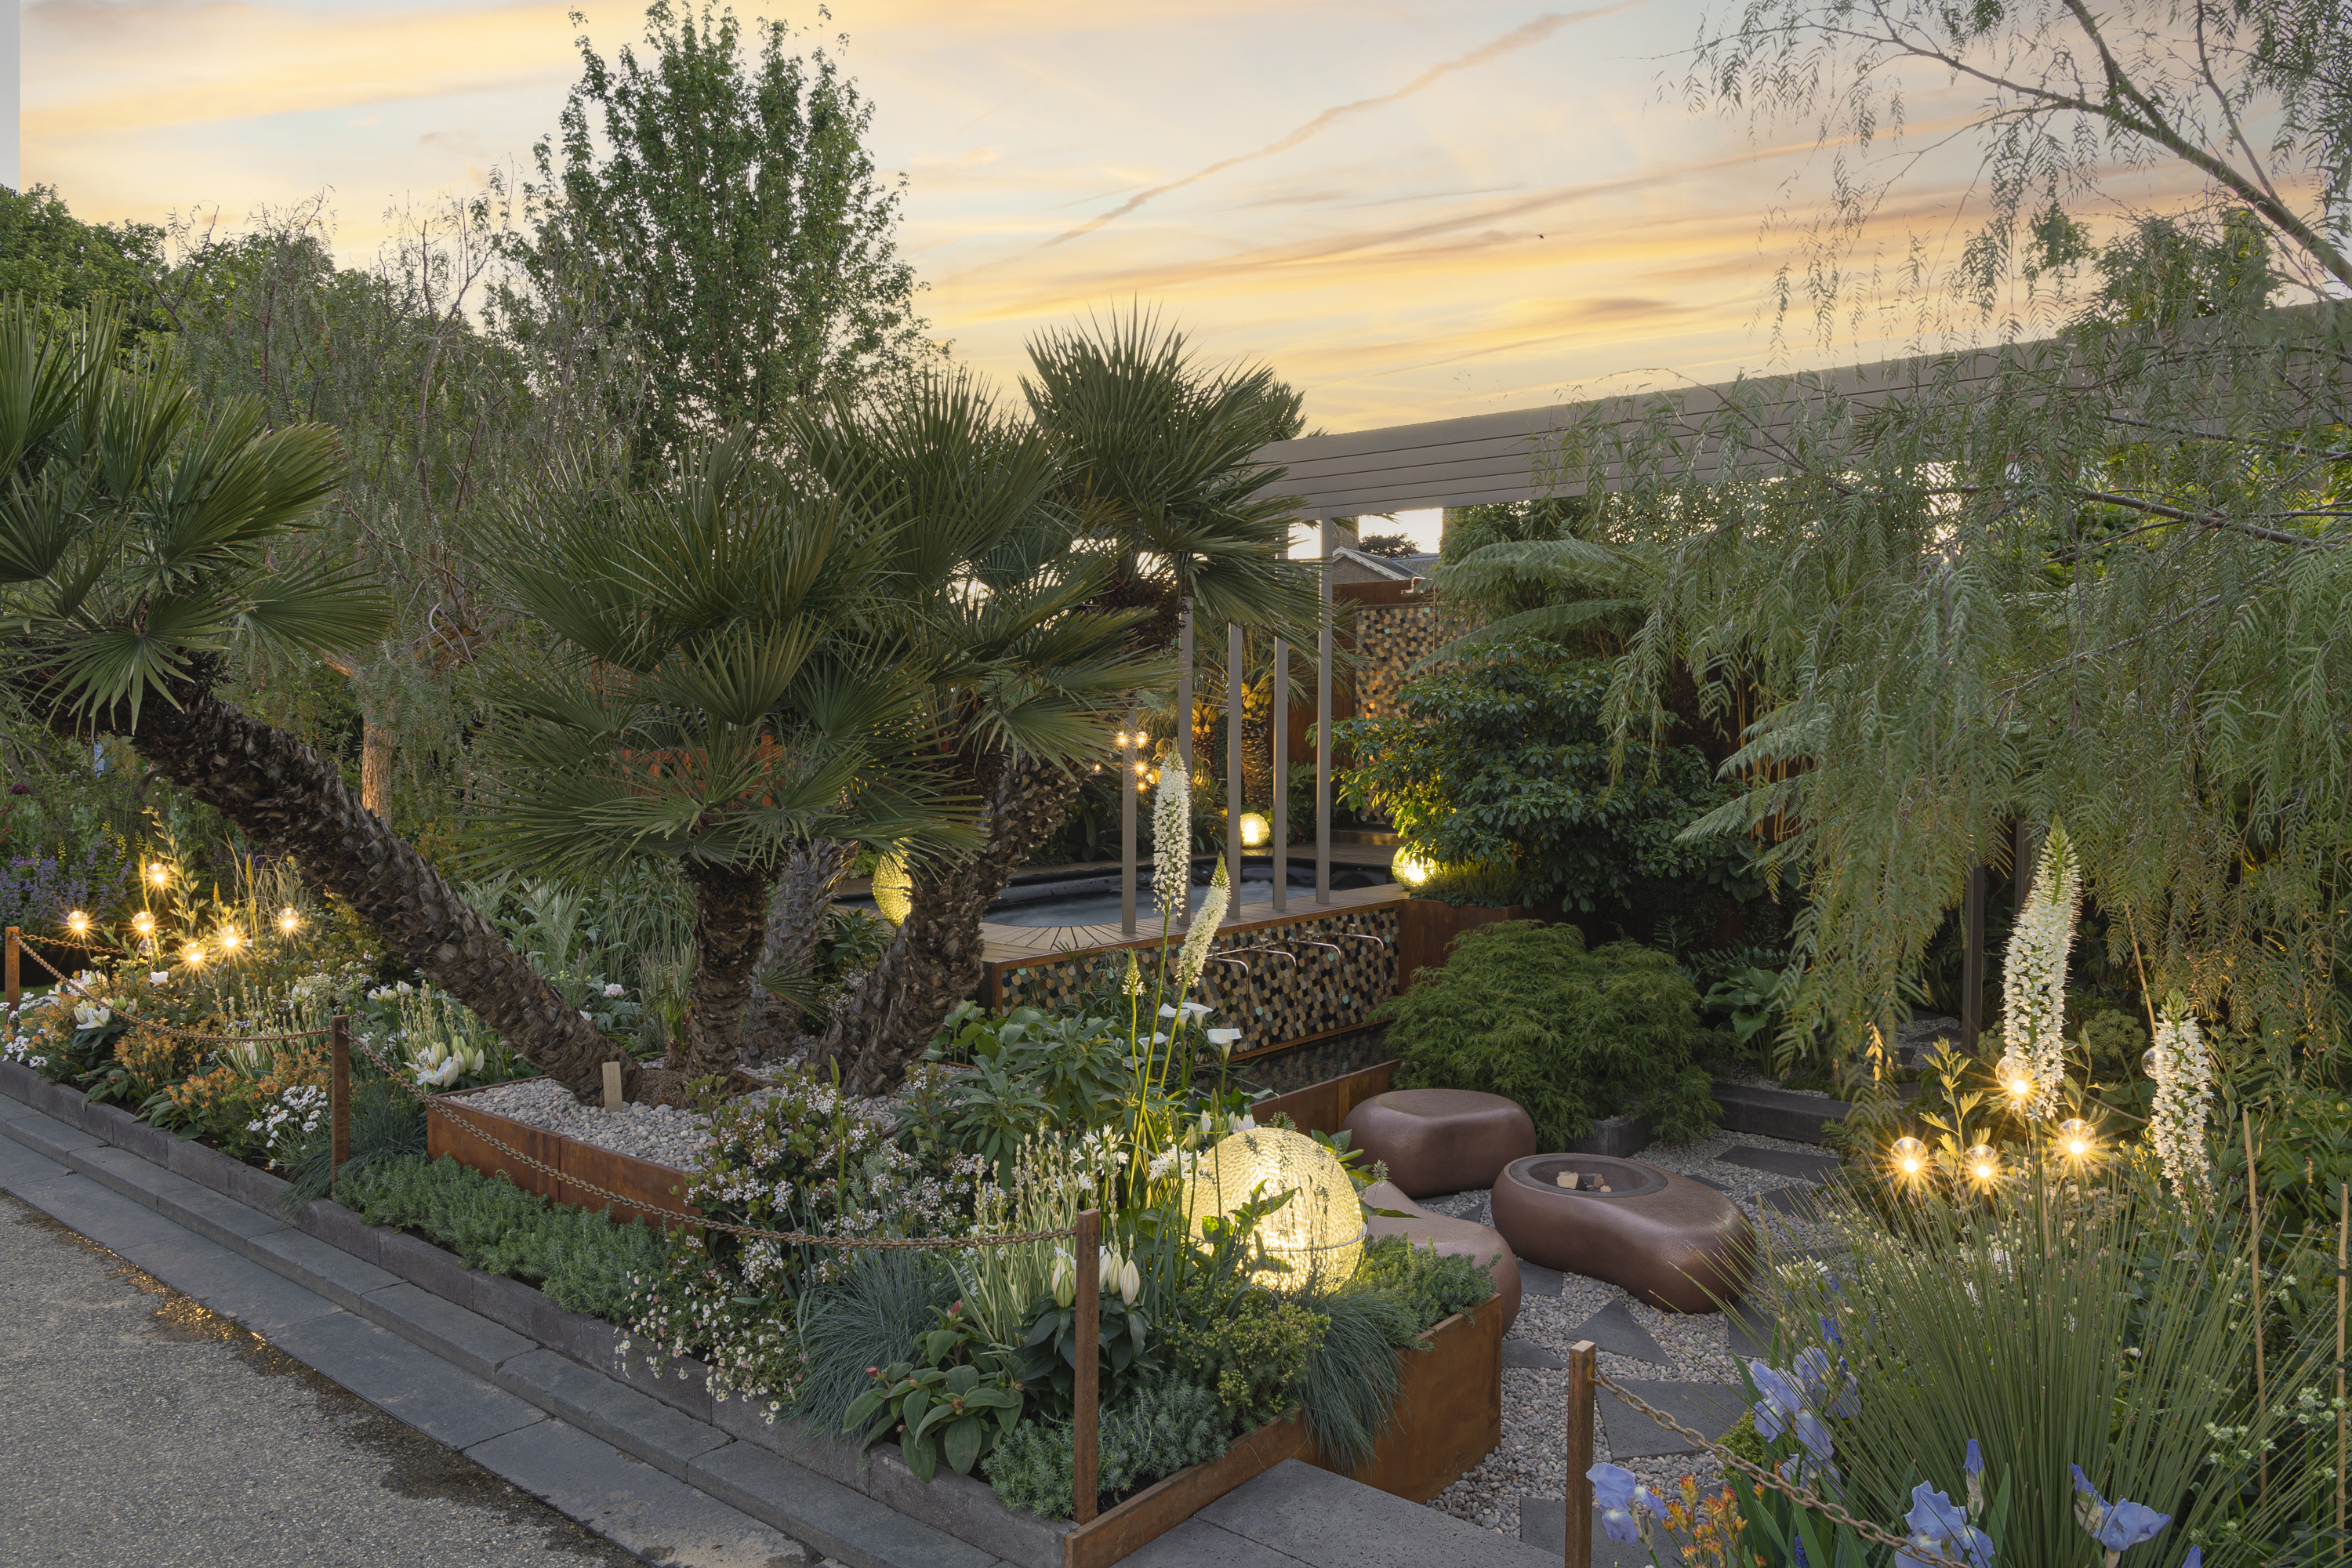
(1128, 787)
(338, 1097)
(1084, 1395)
(1972, 959)
(1178, 918)
(1579, 1509)
(16, 979)
(2342, 1257)
(1323, 651)
(2255, 1259)
(1280, 761)
(1236, 659)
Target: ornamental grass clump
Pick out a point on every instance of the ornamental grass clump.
(1525, 1010)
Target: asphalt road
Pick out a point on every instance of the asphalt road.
(137, 1428)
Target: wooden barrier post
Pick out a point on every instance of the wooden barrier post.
(338, 1097)
(1578, 1513)
(15, 982)
(1085, 1393)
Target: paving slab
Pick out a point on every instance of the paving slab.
(466, 1339)
(329, 1271)
(1543, 1524)
(656, 1516)
(229, 1283)
(1780, 1162)
(104, 1215)
(837, 1522)
(1802, 1202)
(1197, 1544)
(1615, 1330)
(1528, 1353)
(1317, 1517)
(1535, 1280)
(403, 1380)
(667, 1438)
(21, 1165)
(1710, 1408)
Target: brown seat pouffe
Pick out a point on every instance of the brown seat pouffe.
(1442, 1140)
(1669, 1241)
(1451, 1238)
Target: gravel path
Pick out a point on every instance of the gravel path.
(138, 1428)
(1691, 1350)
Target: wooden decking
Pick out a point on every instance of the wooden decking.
(1026, 944)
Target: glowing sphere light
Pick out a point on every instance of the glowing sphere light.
(1411, 868)
(1982, 1163)
(1255, 830)
(894, 887)
(289, 920)
(1910, 1156)
(78, 923)
(2074, 1136)
(1317, 1237)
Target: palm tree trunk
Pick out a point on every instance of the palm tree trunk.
(796, 913)
(731, 918)
(891, 1011)
(289, 800)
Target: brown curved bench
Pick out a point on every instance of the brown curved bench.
(1452, 1238)
(1669, 1241)
(1442, 1140)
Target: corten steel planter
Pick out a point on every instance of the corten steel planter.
(652, 1192)
(1323, 1106)
(1449, 1410)
(1427, 926)
(1171, 1500)
(1442, 1140)
(1669, 1241)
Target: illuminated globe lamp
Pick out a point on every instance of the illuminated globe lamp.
(2018, 1080)
(2076, 1137)
(194, 954)
(1982, 1164)
(1412, 867)
(894, 887)
(1910, 1157)
(78, 923)
(230, 940)
(143, 923)
(159, 874)
(1255, 830)
(289, 919)
(1317, 1237)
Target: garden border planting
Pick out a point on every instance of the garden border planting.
(1439, 1432)
(657, 1188)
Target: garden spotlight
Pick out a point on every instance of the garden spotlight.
(289, 920)
(1255, 830)
(229, 937)
(143, 923)
(78, 923)
(2075, 1137)
(1984, 1163)
(1910, 1156)
(194, 954)
(2022, 1086)
(159, 873)
(1411, 868)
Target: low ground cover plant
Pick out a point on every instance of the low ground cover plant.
(1527, 1011)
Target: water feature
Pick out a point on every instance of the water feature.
(1091, 897)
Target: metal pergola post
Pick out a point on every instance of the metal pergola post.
(1280, 724)
(1323, 650)
(1170, 920)
(1130, 784)
(1236, 654)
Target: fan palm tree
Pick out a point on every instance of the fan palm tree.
(146, 545)
(1024, 673)
(721, 682)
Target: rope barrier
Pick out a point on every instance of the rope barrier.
(1805, 1496)
(115, 1008)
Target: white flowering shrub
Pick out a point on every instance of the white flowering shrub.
(801, 1157)
(2183, 1070)
(284, 1118)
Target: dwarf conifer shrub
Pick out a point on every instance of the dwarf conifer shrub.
(1525, 1010)
(1157, 1430)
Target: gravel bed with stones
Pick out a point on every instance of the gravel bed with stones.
(1557, 1310)
(666, 1134)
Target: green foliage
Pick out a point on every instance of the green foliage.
(387, 1128)
(1033, 1073)
(1525, 1011)
(1253, 1354)
(59, 265)
(862, 1320)
(1049, 1352)
(1504, 760)
(1155, 1431)
(1486, 884)
(726, 208)
(1433, 1287)
(954, 1401)
(582, 1259)
(1743, 1439)
(1348, 1388)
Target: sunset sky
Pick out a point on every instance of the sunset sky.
(1412, 210)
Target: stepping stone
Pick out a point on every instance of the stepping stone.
(1797, 1203)
(1709, 1408)
(1711, 1182)
(1751, 1338)
(1535, 1280)
(1528, 1353)
(1614, 1329)
(1543, 1524)
(1780, 1162)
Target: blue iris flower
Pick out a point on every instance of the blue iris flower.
(1617, 1494)
(1973, 1469)
(1940, 1526)
(1833, 1391)
(2117, 1527)
(1780, 1403)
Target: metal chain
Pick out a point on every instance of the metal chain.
(116, 1009)
(791, 1237)
(1804, 1496)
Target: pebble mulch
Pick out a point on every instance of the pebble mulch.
(1692, 1350)
(666, 1134)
